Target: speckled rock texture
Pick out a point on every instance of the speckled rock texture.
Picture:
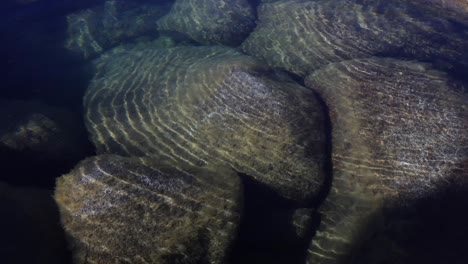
(202, 105)
(302, 36)
(225, 22)
(40, 131)
(132, 210)
(93, 31)
(30, 227)
(399, 133)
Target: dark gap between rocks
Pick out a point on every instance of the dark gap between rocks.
(266, 234)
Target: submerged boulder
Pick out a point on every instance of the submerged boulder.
(40, 131)
(399, 133)
(131, 210)
(201, 105)
(302, 36)
(225, 22)
(95, 30)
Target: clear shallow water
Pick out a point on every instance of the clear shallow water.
(47, 53)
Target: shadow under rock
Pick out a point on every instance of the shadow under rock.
(37, 67)
(35, 64)
(30, 227)
(21, 169)
(266, 233)
(431, 230)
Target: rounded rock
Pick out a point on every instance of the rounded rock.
(225, 22)
(302, 36)
(399, 137)
(131, 210)
(208, 105)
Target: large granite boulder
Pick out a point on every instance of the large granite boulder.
(226, 22)
(399, 133)
(302, 36)
(130, 210)
(202, 105)
(95, 30)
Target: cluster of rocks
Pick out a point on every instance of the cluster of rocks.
(195, 107)
(97, 29)
(207, 101)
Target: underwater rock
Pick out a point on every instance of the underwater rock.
(131, 210)
(301, 36)
(30, 227)
(94, 30)
(37, 130)
(453, 9)
(225, 22)
(302, 221)
(399, 133)
(162, 42)
(201, 105)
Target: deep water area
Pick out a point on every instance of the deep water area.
(234, 131)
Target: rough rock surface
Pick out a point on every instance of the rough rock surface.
(92, 31)
(130, 210)
(453, 9)
(302, 36)
(225, 22)
(201, 105)
(399, 133)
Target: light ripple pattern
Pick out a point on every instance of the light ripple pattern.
(399, 133)
(201, 105)
(302, 36)
(226, 22)
(134, 210)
